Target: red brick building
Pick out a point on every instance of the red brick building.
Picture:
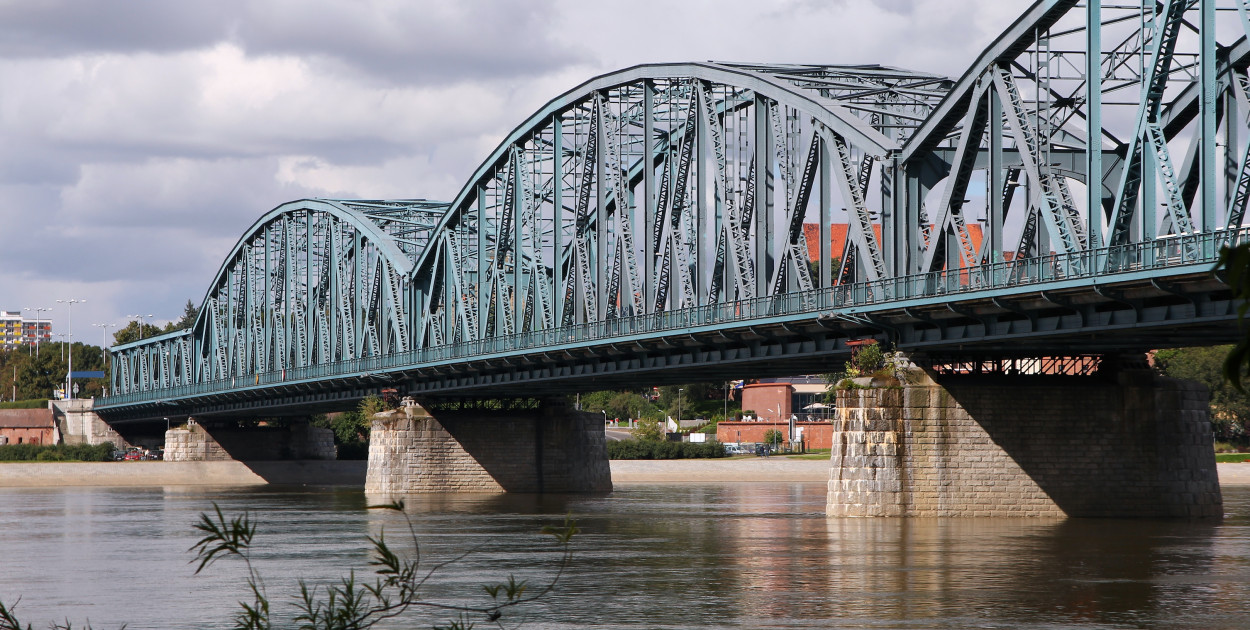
(27, 426)
(768, 402)
(815, 435)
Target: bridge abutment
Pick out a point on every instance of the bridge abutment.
(549, 449)
(1124, 444)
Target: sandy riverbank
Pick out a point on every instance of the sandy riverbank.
(227, 473)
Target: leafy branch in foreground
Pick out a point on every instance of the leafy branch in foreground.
(351, 604)
(356, 605)
(8, 620)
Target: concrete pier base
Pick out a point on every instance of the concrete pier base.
(1127, 444)
(198, 443)
(548, 449)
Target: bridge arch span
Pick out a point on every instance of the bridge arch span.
(666, 186)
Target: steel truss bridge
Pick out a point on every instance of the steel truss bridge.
(675, 221)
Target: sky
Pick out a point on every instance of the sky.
(140, 139)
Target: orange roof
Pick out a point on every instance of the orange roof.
(838, 233)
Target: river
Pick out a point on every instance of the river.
(648, 556)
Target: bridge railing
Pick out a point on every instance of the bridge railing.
(1162, 253)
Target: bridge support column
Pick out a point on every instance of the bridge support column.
(1123, 444)
(196, 442)
(549, 449)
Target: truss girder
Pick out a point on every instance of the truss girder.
(671, 189)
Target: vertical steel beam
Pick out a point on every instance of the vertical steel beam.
(648, 194)
(1207, 115)
(1148, 225)
(483, 302)
(704, 188)
(601, 217)
(994, 182)
(517, 308)
(1093, 120)
(826, 211)
(557, 217)
(763, 198)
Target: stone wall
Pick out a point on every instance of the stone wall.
(550, 449)
(297, 441)
(78, 423)
(1128, 445)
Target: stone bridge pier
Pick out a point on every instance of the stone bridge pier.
(1124, 442)
(551, 448)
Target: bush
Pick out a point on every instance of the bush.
(646, 449)
(38, 403)
(56, 453)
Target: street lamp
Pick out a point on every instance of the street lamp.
(38, 320)
(62, 337)
(69, 308)
(104, 342)
(679, 391)
(140, 319)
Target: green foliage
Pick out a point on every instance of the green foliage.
(773, 436)
(369, 406)
(135, 331)
(1236, 262)
(650, 449)
(38, 403)
(1230, 405)
(648, 431)
(56, 453)
(189, 315)
(37, 375)
(869, 359)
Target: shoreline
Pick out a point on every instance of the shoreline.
(350, 473)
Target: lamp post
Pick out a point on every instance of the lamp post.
(139, 318)
(104, 342)
(69, 308)
(62, 337)
(679, 391)
(38, 321)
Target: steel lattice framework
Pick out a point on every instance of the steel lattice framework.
(674, 200)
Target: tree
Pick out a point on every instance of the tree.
(189, 315)
(1236, 262)
(774, 437)
(1230, 406)
(648, 431)
(134, 331)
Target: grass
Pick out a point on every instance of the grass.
(1230, 458)
(824, 455)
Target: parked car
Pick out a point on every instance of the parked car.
(133, 456)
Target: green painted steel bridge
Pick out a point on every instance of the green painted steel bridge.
(1067, 195)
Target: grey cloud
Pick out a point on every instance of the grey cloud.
(56, 28)
(467, 39)
(431, 41)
